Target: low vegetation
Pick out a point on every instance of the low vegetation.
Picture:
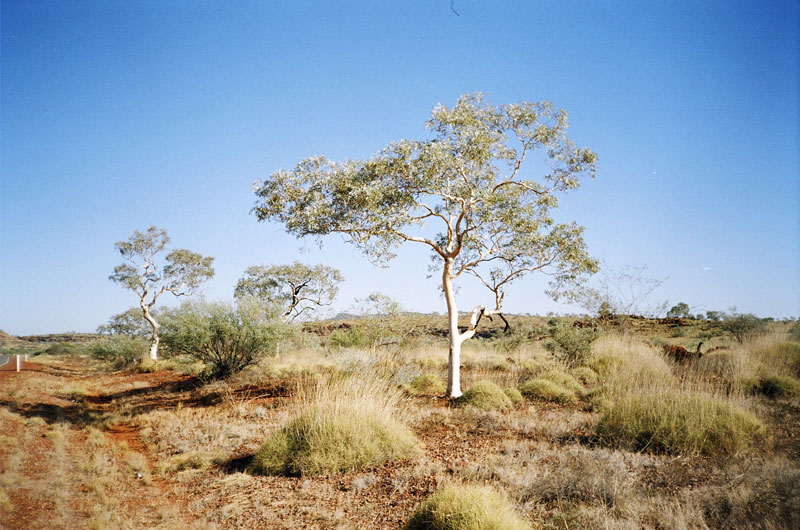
(458, 507)
(309, 435)
(344, 425)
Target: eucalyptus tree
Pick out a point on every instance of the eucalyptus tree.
(295, 288)
(463, 192)
(181, 274)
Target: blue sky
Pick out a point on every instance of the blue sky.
(117, 115)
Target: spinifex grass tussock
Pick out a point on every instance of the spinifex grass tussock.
(466, 508)
(547, 390)
(514, 395)
(342, 425)
(778, 386)
(430, 384)
(485, 395)
(679, 422)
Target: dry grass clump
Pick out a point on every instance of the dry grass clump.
(430, 384)
(547, 390)
(763, 495)
(485, 395)
(679, 422)
(343, 425)
(466, 508)
(776, 386)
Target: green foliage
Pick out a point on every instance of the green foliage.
(344, 426)
(680, 310)
(427, 384)
(585, 375)
(295, 288)
(226, 338)
(484, 395)
(119, 349)
(130, 322)
(743, 326)
(60, 348)
(676, 422)
(458, 507)
(547, 390)
(352, 337)
(570, 344)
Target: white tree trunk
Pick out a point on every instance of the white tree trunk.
(454, 359)
(154, 339)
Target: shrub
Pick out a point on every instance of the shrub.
(570, 345)
(427, 384)
(679, 423)
(119, 349)
(59, 348)
(352, 337)
(743, 326)
(484, 395)
(514, 395)
(343, 426)
(466, 508)
(226, 338)
(548, 391)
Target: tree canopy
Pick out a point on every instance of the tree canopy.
(463, 193)
(295, 288)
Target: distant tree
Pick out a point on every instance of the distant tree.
(295, 288)
(468, 181)
(183, 271)
(130, 323)
(743, 326)
(714, 316)
(680, 310)
(623, 291)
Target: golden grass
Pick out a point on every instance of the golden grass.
(345, 424)
(457, 507)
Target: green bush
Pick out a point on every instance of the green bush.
(676, 422)
(585, 375)
(466, 508)
(352, 337)
(60, 348)
(547, 390)
(484, 395)
(564, 379)
(427, 384)
(226, 338)
(743, 326)
(569, 344)
(343, 426)
(119, 349)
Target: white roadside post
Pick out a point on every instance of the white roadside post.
(17, 363)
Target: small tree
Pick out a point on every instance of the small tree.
(467, 181)
(295, 288)
(680, 310)
(225, 337)
(742, 326)
(181, 275)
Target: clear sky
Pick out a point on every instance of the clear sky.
(117, 115)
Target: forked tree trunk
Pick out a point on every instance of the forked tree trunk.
(153, 356)
(454, 358)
